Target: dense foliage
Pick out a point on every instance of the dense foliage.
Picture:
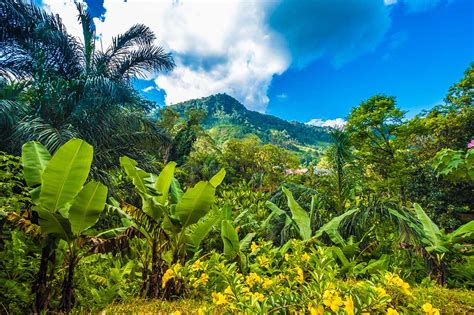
(209, 208)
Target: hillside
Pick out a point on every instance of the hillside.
(227, 118)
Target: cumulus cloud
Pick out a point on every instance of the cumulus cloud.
(415, 5)
(219, 46)
(338, 122)
(338, 29)
(236, 47)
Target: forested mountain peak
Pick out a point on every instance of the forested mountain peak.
(227, 118)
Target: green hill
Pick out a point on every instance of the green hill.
(227, 118)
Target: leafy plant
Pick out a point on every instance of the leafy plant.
(66, 207)
(172, 221)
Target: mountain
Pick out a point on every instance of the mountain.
(227, 118)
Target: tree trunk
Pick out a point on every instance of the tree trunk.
(40, 287)
(67, 298)
(155, 276)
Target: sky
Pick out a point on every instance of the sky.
(304, 60)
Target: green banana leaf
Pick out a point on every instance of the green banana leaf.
(34, 157)
(137, 175)
(87, 207)
(176, 191)
(332, 228)
(195, 203)
(217, 179)
(201, 229)
(65, 174)
(230, 238)
(54, 224)
(299, 215)
(163, 182)
(464, 232)
(432, 235)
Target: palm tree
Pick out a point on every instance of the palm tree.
(340, 155)
(72, 89)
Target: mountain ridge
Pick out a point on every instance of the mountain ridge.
(227, 118)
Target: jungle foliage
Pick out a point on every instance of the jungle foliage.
(205, 207)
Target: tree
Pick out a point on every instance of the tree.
(461, 94)
(373, 127)
(65, 206)
(76, 90)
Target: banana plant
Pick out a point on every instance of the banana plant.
(66, 206)
(299, 217)
(438, 244)
(173, 222)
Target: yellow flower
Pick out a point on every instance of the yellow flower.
(381, 291)
(332, 299)
(300, 273)
(305, 257)
(267, 282)
(263, 261)
(349, 305)
(219, 298)
(245, 290)
(196, 265)
(258, 296)
(204, 278)
(228, 290)
(391, 311)
(200, 311)
(176, 313)
(252, 278)
(396, 280)
(429, 309)
(315, 310)
(287, 257)
(254, 247)
(169, 274)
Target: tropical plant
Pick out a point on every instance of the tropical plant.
(66, 207)
(438, 244)
(173, 222)
(75, 89)
(456, 165)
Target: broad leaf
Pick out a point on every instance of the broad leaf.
(431, 231)
(332, 228)
(54, 224)
(299, 215)
(217, 179)
(137, 175)
(87, 207)
(230, 238)
(276, 211)
(195, 203)
(34, 157)
(245, 242)
(163, 182)
(465, 231)
(176, 191)
(65, 174)
(202, 229)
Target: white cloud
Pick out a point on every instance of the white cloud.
(148, 89)
(219, 46)
(390, 2)
(338, 122)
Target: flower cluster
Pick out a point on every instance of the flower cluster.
(394, 279)
(297, 280)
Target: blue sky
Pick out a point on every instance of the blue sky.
(298, 59)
